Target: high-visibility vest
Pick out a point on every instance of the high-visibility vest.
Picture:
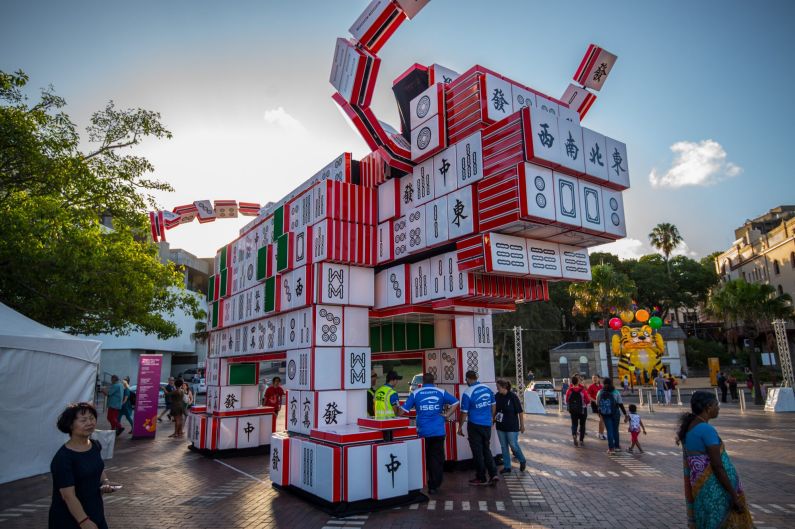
(383, 409)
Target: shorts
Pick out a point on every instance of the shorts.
(634, 435)
(594, 408)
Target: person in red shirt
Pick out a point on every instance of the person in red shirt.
(593, 389)
(274, 394)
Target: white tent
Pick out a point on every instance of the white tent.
(41, 370)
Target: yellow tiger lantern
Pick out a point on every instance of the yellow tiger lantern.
(638, 347)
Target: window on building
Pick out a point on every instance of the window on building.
(776, 268)
(780, 290)
(564, 367)
(584, 370)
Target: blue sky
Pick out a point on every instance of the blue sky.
(700, 92)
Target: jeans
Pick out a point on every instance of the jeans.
(434, 460)
(611, 426)
(510, 439)
(660, 396)
(479, 441)
(126, 411)
(578, 420)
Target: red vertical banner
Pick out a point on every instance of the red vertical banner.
(146, 396)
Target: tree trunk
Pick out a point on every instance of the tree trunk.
(608, 353)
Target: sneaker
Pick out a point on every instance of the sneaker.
(522, 467)
(493, 481)
(505, 471)
(477, 481)
(630, 451)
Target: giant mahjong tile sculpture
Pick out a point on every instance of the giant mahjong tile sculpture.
(489, 190)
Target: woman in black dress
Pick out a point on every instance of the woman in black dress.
(78, 473)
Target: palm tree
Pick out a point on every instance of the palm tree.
(665, 237)
(751, 306)
(607, 288)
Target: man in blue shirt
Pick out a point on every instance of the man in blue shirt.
(430, 402)
(478, 406)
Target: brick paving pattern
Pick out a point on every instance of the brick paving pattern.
(166, 485)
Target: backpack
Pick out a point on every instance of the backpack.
(575, 403)
(607, 404)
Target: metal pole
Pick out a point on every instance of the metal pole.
(517, 351)
(560, 402)
(678, 396)
(784, 358)
(742, 401)
(544, 398)
(640, 396)
(651, 403)
(716, 394)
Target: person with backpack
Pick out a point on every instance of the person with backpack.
(577, 400)
(609, 402)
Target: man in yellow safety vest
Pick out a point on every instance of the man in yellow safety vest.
(386, 398)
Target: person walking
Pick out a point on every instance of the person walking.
(731, 380)
(126, 404)
(609, 402)
(625, 385)
(478, 407)
(371, 394)
(564, 388)
(115, 394)
(385, 400)
(175, 401)
(638, 378)
(722, 386)
(593, 391)
(669, 386)
(78, 473)
(713, 491)
(430, 403)
(659, 384)
(509, 420)
(166, 390)
(577, 400)
(635, 426)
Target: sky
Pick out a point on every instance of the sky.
(699, 93)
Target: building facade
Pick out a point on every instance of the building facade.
(763, 252)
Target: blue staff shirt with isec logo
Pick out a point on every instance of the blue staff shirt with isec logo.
(477, 401)
(429, 402)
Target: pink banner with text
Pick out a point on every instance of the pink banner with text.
(146, 396)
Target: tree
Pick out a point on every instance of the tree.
(665, 237)
(749, 307)
(608, 289)
(61, 266)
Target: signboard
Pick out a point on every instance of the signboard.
(146, 396)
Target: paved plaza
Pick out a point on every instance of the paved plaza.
(166, 485)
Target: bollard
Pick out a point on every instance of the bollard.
(560, 402)
(640, 396)
(544, 398)
(716, 394)
(651, 403)
(678, 397)
(742, 401)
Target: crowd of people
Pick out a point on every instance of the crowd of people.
(713, 491)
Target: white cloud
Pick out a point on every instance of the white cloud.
(624, 248)
(634, 249)
(279, 117)
(695, 164)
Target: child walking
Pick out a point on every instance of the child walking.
(635, 426)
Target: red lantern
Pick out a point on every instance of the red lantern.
(616, 323)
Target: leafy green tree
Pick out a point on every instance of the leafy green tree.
(665, 237)
(61, 266)
(749, 308)
(607, 288)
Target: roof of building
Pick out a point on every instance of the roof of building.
(571, 346)
(668, 333)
